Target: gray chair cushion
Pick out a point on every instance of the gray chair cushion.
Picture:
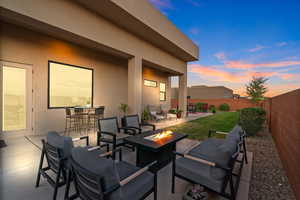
(139, 186)
(105, 168)
(199, 173)
(108, 125)
(235, 134)
(64, 143)
(215, 150)
(132, 121)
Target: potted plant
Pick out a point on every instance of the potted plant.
(146, 115)
(124, 109)
(179, 113)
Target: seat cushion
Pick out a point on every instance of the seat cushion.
(105, 168)
(119, 138)
(199, 173)
(139, 186)
(64, 143)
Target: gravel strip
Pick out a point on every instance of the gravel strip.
(269, 181)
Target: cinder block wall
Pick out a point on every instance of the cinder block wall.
(234, 104)
(283, 113)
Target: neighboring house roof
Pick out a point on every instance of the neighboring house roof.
(205, 92)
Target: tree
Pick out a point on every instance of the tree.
(257, 88)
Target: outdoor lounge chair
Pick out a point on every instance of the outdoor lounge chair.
(133, 122)
(109, 132)
(57, 150)
(237, 132)
(98, 178)
(213, 171)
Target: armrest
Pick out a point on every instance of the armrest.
(82, 138)
(147, 124)
(99, 147)
(107, 133)
(112, 153)
(216, 132)
(203, 161)
(220, 132)
(136, 174)
(130, 129)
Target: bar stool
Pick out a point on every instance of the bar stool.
(70, 120)
(98, 114)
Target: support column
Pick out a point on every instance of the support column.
(182, 94)
(135, 85)
(1, 97)
(169, 92)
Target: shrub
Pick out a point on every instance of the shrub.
(224, 107)
(252, 120)
(212, 108)
(201, 107)
(173, 111)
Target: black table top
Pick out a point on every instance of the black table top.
(140, 141)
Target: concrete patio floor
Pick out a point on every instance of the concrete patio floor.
(20, 159)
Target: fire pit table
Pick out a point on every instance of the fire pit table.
(155, 146)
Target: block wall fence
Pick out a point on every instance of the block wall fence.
(283, 118)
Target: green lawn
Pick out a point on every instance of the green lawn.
(198, 129)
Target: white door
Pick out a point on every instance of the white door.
(16, 101)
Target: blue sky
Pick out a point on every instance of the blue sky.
(239, 39)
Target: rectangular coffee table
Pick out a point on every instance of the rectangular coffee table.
(160, 150)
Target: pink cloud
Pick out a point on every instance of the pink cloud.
(257, 48)
(210, 72)
(222, 75)
(220, 55)
(275, 90)
(243, 65)
(289, 76)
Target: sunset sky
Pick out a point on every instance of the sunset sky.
(240, 39)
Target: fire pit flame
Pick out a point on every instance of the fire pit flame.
(162, 135)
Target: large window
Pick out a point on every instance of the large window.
(69, 85)
(162, 92)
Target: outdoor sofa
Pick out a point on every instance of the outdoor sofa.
(211, 164)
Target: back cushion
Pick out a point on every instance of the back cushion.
(105, 168)
(108, 125)
(132, 121)
(64, 143)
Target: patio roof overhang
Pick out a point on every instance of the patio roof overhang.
(142, 19)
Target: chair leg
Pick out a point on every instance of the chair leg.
(56, 183)
(173, 175)
(232, 192)
(245, 151)
(40, 168)
(155, 186)
(68, 185)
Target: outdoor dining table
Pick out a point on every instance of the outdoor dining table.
(160, 150)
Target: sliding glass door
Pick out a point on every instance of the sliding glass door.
(16, 95)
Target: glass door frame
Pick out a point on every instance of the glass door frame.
(29, 93)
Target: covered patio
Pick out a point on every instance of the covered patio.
(22, 155)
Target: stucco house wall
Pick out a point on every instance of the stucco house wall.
(151, 94)
(25, 46)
